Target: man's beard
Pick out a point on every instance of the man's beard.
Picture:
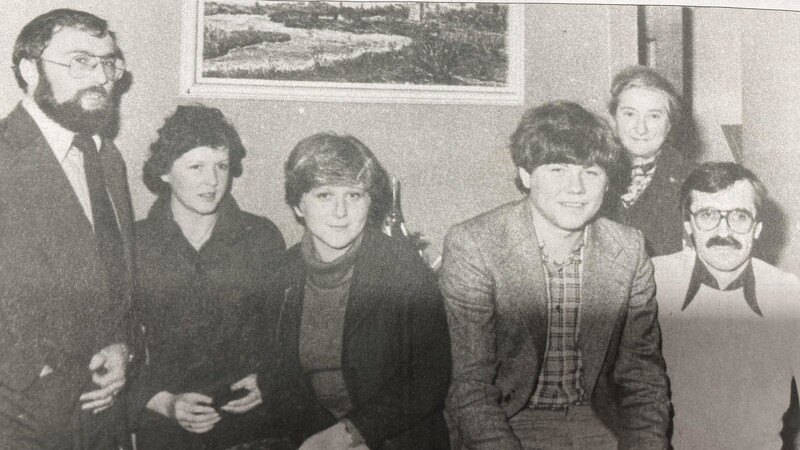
(70, 114)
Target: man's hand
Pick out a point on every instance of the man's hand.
(108, 371)
(249, 401)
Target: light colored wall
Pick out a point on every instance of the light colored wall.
(771, 117)
(745, 71)
(717, 77)
(452, 160)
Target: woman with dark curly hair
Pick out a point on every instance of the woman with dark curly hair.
(201, 264)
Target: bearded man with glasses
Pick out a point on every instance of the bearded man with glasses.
(730, 322)
(65, 232)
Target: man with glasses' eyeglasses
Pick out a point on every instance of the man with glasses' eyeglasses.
(730, 322)
(65, 233)
(82, 65)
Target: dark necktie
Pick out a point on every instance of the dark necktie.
(106, 232)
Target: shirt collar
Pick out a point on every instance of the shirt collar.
(576, 254)
(745, 280)
(58, 138)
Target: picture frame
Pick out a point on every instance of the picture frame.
(401, 52)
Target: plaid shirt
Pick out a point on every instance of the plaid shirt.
(560, 379)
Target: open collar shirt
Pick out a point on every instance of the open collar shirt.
(745, 281)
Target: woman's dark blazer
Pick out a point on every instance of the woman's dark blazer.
(395, 356)
(657, 212)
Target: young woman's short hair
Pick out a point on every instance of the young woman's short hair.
(332, 159)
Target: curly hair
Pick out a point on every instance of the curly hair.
(190, 127)
(36, 35)
(329, 158)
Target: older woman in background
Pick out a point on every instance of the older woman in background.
(365, 353)
(201, 264)
(655, 132)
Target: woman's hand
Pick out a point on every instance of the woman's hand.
(332, 438)
(193, 412)
(249, 401)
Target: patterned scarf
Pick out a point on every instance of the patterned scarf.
(641, 176)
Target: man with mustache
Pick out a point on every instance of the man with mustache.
(730, 322)
(65, 233)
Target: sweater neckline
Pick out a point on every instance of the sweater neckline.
(328, 274)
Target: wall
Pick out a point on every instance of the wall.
(717, 80)
(452, 160)
(746, 72)
(770, 115)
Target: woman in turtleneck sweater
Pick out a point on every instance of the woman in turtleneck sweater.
(362, 335)
(655, 133)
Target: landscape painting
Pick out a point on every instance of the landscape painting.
(362, 51)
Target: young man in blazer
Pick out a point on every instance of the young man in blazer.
(65, 233)
(552, 311)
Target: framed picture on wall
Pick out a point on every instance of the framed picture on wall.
(416, 52)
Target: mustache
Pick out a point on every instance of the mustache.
(720, 241)
(90, 90)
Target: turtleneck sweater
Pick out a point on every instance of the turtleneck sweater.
(325, 298)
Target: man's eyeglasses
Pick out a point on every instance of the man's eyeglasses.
(739, 220)
(83, 65)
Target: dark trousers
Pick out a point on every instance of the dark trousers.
(160, 433)
(47, 415)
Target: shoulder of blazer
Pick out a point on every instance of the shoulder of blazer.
(267, 232)
(291, 269)
(389, 261)
(615, 237)
(489, 220)
(673, 168)
(497, 228)
(18, 133)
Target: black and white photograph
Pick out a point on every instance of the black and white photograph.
(399, 225)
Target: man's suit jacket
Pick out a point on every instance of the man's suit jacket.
(496, 299)
(56, 308)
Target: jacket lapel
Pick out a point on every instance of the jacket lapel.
(38, 179)
(287, 330)
(602, 298)
(527, 284)
(367, 290)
